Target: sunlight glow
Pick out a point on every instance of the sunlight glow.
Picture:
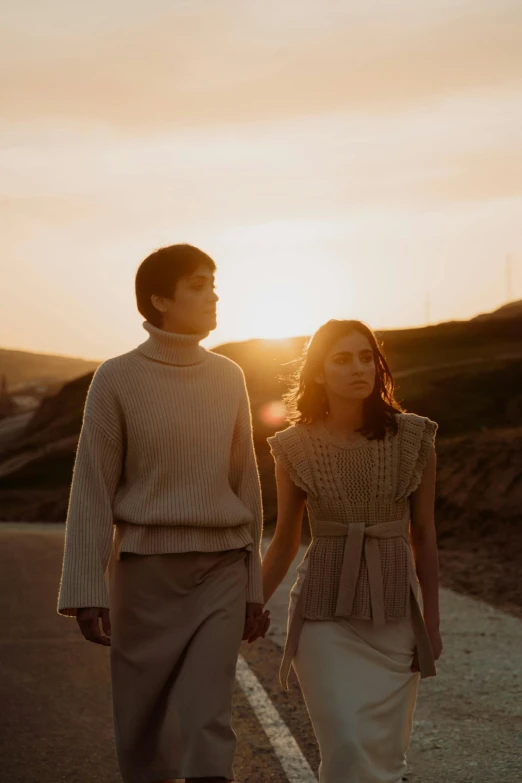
(272, 414)
(275, 284)
(361, 182)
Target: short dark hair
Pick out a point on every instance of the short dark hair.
(160, 272)
(307, 401)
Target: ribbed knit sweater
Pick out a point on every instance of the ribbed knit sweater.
(165, 463)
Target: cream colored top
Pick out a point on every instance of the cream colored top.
(166, 458)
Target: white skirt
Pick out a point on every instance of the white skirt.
(360, 694)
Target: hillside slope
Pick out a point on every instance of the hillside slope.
(479, 515)
(23, 367)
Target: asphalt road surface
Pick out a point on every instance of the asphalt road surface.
(55, 706)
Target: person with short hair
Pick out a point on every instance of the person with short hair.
(357, 637)
(166, 489)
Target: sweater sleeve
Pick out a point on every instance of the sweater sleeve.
(245, 483)
(416, 441)
(287, 446)
(89, 525)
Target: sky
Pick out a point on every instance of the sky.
(338, 159)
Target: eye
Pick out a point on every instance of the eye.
(367, 358)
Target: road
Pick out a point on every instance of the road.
(55, 719)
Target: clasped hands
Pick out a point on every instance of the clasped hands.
(257, 622)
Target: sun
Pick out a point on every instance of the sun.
(276, 283)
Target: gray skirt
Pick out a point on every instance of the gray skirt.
(177, 623)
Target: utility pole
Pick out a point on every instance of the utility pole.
(509, 289)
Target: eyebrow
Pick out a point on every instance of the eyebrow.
(350, 353)
(203, 277)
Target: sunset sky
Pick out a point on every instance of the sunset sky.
(337, 159)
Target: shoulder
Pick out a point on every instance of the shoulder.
(226, 366)
(110, 373)
(413, 425)
(225, 377)
(110, 384)
(110, 369)
(292, 435)
(289, 448)
(416, 438)
(103, 378)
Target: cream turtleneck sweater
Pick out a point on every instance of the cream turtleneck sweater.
(166, 459)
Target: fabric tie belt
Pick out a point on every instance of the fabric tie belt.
(363, 541)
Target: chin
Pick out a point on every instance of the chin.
(358, 394)
(209, 325)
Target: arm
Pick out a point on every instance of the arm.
(287, 537)
(424, 544)
(244, 481)
(89, 528)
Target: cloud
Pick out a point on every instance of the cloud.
(218, 66)
(489, 175)
(457, 151)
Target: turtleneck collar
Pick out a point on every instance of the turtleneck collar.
(170, 348)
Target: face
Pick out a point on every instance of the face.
(192, 310)
(349, 368)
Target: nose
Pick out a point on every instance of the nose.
(214, 297)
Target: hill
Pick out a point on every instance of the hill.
(478, 510)
(465, 375)
(404, 348)
(506, 311)
(22, 368)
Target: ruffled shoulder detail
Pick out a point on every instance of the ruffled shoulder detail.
(416, 438)
(289, 447)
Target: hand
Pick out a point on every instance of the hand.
(436, 641)
(263, 624)
(254, 613)
(89, 621)
(436, 646)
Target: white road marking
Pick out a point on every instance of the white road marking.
(287, 750)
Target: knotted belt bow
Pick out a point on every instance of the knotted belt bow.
(363, 541)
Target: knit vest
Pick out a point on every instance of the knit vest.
(369, 482)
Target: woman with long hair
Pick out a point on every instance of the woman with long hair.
(357, 637)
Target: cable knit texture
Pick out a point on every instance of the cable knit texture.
(366, 481)
(165, 463)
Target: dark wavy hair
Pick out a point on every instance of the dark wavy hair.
(307, 401)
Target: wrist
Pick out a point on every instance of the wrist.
(432, 622)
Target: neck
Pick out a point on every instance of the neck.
(174, 328)
(345, 415)
(171, 348)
